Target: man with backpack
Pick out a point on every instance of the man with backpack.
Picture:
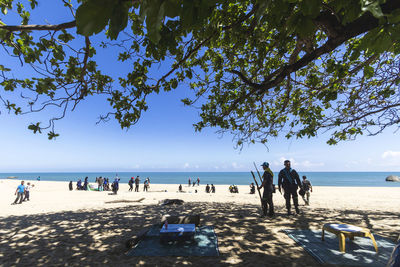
(289, 179)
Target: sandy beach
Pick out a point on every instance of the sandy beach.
(70, 228)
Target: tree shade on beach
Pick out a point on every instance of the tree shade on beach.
(255, 68)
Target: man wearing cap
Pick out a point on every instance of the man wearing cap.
(289, 179)
(267, 183)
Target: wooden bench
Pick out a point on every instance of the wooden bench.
(346, 230)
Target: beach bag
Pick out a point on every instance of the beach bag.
(302, 192)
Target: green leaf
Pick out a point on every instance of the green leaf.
(305, 27)
(119, 20)
(154, 20)
(373, 7)
(92, 16)
(52, 135)
(172, 8)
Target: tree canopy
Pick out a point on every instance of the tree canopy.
(257, 69)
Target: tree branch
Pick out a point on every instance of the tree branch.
(56, 27)
(365, 23)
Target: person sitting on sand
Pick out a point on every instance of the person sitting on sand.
(212, 188)
(252, 188)
(207, 188)
(234, 189)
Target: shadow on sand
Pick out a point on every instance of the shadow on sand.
(97, 237)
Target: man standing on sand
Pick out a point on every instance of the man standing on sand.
(137, 181)
(189, 182)
(130, 183)
(268, 204)
(306, 185)
(289, 179)
(27, 190)
(20, 191)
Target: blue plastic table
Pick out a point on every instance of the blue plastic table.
(177, 232)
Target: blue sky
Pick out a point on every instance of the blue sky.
(165, 140)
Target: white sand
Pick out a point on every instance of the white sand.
(55, 196)
(58, 227)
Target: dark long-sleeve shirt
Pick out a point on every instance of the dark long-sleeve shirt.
(267, 183)
(288, 178)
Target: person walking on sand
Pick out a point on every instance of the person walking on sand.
(20, 193)
(27, 191)
(146, 185)
(268, 180)
(289, 179)
(130, 183)
(307, 187)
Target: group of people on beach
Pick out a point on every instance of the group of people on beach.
(22, 192)
(194, 182)
(233, 189)
(136, 181)
(103, 184)
(289, 181)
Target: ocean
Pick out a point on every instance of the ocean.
(363, 179)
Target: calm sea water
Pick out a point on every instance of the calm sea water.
(369, 179)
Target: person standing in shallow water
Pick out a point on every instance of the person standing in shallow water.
(289, 179)
(268, 204)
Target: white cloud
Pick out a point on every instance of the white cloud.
(391, 154)
(186, 165)
(309, 164)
